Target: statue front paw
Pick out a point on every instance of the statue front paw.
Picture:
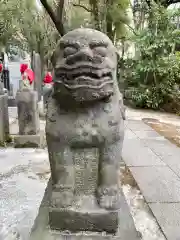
(62, 199)
(108, 197)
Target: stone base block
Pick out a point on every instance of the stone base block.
(11, 101)
(42, 230)
(27, 141)
(74, 220)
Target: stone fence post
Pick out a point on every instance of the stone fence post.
(28, 119)
(38, 75)
(4, 117)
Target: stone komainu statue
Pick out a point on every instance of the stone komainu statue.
(85, 132)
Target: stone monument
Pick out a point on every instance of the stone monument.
(84, 133)
(28, 118)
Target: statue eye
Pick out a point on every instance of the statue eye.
(69, 51)
(100, 50)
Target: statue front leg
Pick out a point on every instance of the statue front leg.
(108, 189)
(63, 179)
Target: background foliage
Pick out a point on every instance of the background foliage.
(152, 79)
(147, 29)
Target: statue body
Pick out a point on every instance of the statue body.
(85, 132)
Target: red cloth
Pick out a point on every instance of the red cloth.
(1, 67)
(30, 75)
(23, 68)
(48, 78)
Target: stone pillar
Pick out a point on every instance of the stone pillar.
(11, 93)
(2, 132)
(4, 119)
(38, 76)
(6, 79)
(1, 88)
(47, 90)
(28, 118)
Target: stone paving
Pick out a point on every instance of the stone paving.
(155, 165)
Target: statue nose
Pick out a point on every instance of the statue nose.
(84, 54)
(86, 51)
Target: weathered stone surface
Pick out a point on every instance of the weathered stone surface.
(85, 132)
(38, 76)
(28, 116)
(47, 90)
(4, 119)
(41, 230)
(11, 101)
(168, 216)
(1, 88)
(2, 130)
(20, 84)
(24, 141)
(91, 218)
(11, 90)
(134, 153)
(157, 183)
(6, 116)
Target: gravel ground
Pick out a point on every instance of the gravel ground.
(23, 178)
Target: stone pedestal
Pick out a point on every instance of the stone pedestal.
(4, 119)
(28, 118)
(88, 217)
(41, 229)
(11, 101)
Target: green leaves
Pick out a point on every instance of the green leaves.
(155, 76)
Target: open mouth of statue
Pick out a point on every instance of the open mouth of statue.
(82, 79)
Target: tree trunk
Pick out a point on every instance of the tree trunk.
(95, 13)
(109, 22)
(56, 18)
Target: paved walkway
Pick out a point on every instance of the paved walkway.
(138, 114)
(155, 165)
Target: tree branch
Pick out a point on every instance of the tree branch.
(82, 6)
(56, 19)
(132, 29)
